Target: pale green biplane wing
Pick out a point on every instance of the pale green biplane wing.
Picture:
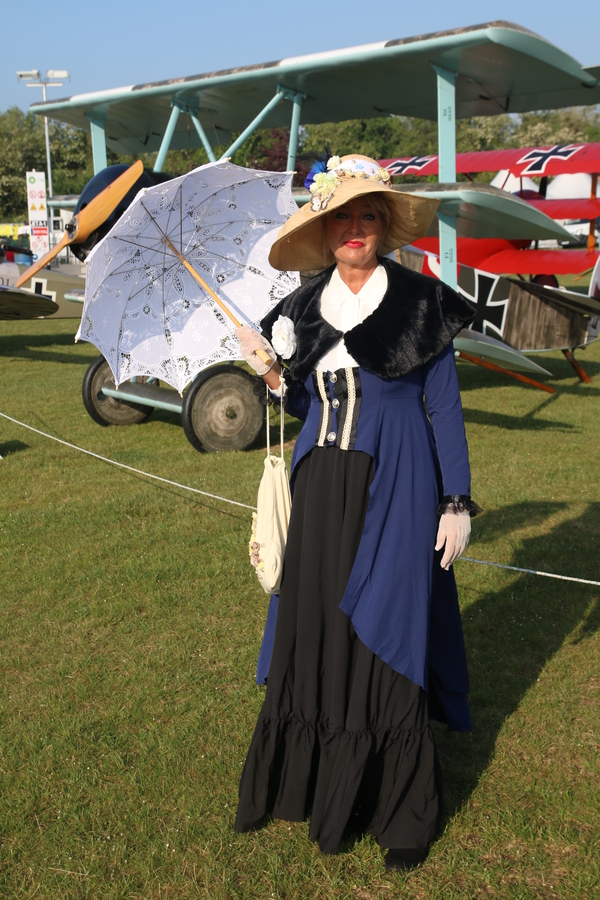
(500, 68)
(483, 211)
(15, 303)
(486, 347)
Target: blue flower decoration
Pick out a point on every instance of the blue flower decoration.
(319, 166)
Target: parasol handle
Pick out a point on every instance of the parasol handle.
(262, 354)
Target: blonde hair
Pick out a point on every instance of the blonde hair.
(378, 204)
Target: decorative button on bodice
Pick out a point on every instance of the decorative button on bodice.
(333, 378)
(331, 437)
(335, 403)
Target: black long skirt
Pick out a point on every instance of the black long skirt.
(341, 736)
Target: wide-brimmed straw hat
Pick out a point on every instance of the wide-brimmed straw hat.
(301, 245)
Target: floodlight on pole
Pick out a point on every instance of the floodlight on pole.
(33, 78)
(29, 75)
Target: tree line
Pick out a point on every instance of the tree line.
(22, 146)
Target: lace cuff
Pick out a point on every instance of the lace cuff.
(273, 397)
(458, 503)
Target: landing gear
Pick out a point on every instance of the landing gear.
(106, 410)
(545, 280)
(220, 410)
(579, 370)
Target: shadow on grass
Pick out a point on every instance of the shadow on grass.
(531, 420)
(516, 423)
(40, 348)
(512, 634)
(12, 447)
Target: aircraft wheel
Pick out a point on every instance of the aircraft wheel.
(546, 280)
(106, 410)
(221, 411)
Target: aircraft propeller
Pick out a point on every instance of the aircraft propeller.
(90, 217)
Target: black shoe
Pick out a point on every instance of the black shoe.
(404, 860)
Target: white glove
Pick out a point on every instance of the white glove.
(454, 531)
(251, 341)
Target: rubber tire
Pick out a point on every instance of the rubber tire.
(106, 410)
(546, 280)
(221, 411)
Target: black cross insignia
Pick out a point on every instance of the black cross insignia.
(414, 164)
(490, 312)
(39, 286)
(539, 159)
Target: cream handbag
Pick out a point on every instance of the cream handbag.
(271, 519)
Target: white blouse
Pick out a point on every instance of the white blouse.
(344, 310)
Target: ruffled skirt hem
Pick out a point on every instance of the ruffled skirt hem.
(380, 781)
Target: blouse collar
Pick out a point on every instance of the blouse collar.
(370, 295)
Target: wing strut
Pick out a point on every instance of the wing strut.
(581, 373)
(479, 361)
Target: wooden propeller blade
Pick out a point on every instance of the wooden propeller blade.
(90, 217)
(43, 261)
(99, 209)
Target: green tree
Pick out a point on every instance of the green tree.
(23, 148)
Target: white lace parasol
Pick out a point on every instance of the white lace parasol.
(146, 312)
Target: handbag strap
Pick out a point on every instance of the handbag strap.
(281, 382)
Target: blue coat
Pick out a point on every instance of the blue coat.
(403, 605)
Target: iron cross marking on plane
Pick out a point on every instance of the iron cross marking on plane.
(479, 287)
(413, 164)
(539, 159)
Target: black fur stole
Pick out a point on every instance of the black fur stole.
(417, 318)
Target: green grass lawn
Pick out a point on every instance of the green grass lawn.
(130, 622)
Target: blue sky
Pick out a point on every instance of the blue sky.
(107, 44)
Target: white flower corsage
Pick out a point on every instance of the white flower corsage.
(283, 337)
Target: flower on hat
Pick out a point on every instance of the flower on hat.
(318, 166)
(322, 189)
(322, 184)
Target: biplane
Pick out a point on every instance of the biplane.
(470, 71)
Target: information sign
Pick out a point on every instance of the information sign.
(38, 214)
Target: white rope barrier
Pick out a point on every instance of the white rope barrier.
(529, 571)
(112, 462)
(186, 487)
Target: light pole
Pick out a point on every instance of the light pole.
(33, 78)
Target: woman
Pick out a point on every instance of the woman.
(368, 641)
